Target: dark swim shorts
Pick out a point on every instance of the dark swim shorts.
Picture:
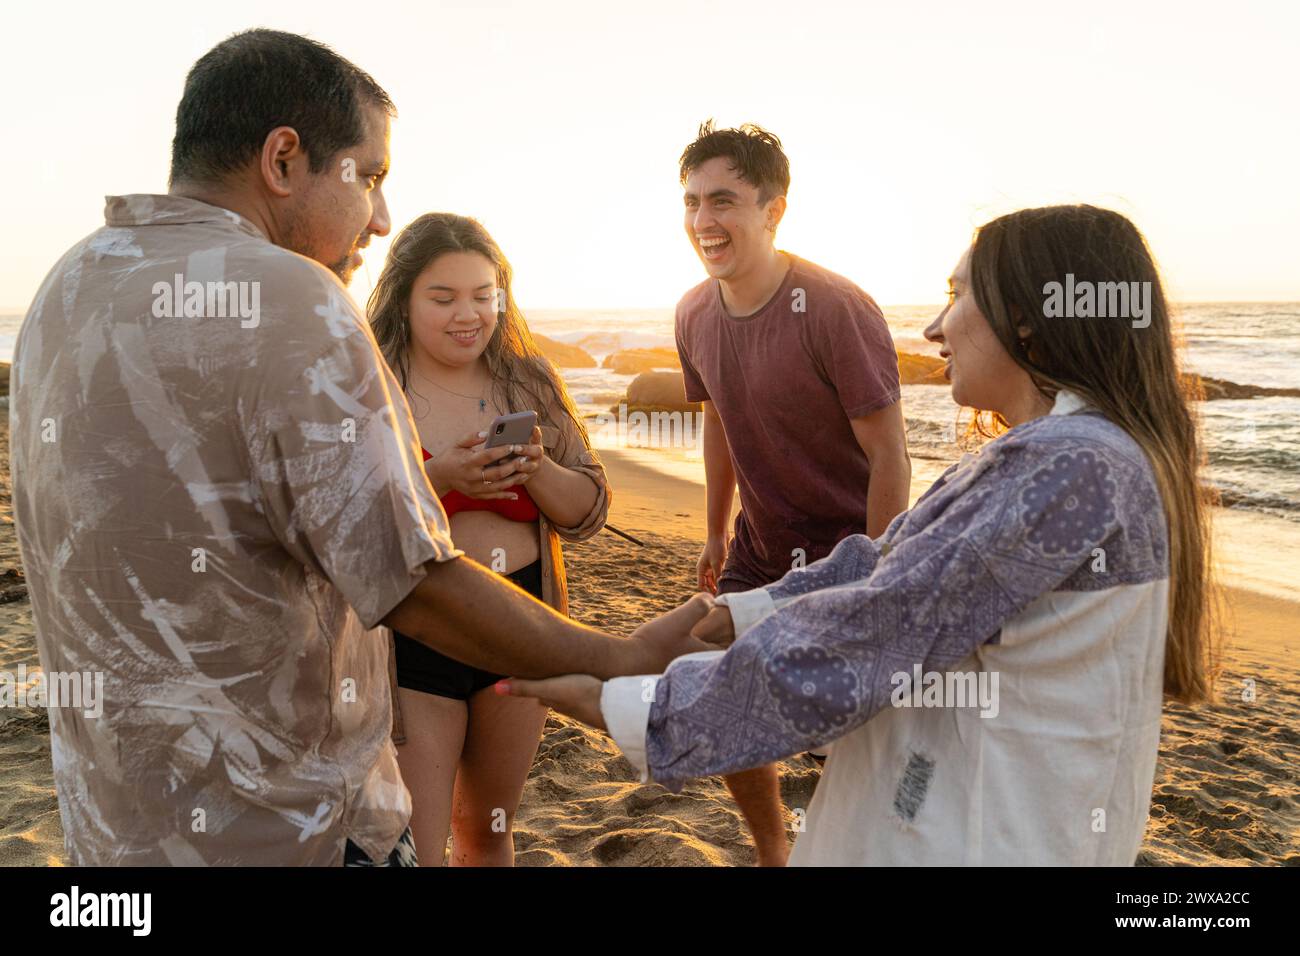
(421, 668)
(401, 855)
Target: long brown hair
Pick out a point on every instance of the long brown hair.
(1131, 374)
(522, 377)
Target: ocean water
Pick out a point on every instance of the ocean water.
(1253, 445)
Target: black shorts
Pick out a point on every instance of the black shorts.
(401, 855)
(421, 668)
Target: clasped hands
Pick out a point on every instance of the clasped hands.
(698, 625)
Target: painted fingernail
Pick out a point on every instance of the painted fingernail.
(502, 687)
(482, 434)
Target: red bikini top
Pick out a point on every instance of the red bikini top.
(522, 509)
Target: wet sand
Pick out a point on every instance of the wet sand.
(1227, 783)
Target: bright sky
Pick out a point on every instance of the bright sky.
(559, 125)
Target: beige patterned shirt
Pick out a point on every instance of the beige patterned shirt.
(219, 494)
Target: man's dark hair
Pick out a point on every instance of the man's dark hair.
(249, 84)
(754, 153)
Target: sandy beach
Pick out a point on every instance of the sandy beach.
(1227, 785)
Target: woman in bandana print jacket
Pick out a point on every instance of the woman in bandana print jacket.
(1065, 566)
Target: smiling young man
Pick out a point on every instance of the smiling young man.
(798, 375)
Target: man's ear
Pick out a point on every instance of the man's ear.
(775, 212)
(282, 160)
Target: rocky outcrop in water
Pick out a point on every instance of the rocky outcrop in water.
(1217, 388)
(658, 392)
(563, 355)
(634, 361)
(916, 369)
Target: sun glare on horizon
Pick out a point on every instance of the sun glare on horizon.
(561, 133)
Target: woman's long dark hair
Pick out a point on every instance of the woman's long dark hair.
(1131, 374)
(522, 377)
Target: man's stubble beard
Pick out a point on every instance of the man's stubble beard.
(297, 239)
(343, 269)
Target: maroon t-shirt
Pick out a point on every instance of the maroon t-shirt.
(785, 381)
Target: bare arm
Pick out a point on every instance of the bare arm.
(883, 439)
(565, 496)
(719, 474)
(463, 610)
(720, 489)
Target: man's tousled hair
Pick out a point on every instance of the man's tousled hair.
(754, 153)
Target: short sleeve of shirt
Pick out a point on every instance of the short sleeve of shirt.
(695, 390)
(856, 351)
(336, 465)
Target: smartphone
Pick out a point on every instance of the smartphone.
(513, 429)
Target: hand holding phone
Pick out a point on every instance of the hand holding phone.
(520, 433)
(514, 429)
(481, 464)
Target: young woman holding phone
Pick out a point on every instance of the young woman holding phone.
(446, 321)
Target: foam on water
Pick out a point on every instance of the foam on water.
(1253, 445)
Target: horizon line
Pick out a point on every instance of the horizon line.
(14, 311)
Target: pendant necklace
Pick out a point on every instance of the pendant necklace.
(482, 402)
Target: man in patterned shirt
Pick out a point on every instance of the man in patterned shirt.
(219, 497)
